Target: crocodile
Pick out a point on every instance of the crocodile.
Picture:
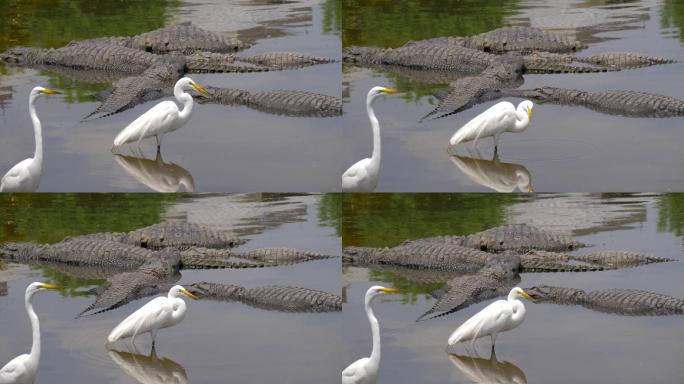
(279, 102)
(279, 298)
(608, 60)
(178, 234)
(280, 256)
(613, 102)
(620, 258)
(629, 302)
(522, 39)
(185, 38)
(161, 267)
(113, 255)
(520, 237)
(496, 278)
(505, 73)
(284, 60)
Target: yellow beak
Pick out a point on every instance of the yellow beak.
(188, 294)
(390, 91)
(529, 113)
(200, 89)
(525, 295)
(50, 286)
(390, 290)
(50, 92)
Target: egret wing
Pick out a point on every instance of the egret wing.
(354, 371)
(140, 320)
(462, 291)
(157, 120)
(12, 370)
(491, 319)
(16, 173)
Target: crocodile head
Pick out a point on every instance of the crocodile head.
(543, 292)
(13, 250)
(20, 55)
(200, 289)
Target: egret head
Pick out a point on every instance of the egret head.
(526, 106)
(36, 287)
(376, 91)
(178, 290)
(39, 91)
(378, 290)
(186, 82)
(518, 292)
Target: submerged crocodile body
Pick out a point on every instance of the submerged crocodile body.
(285, 60)
(155, 60)
(280, 256)
(520, 237)
(629, 302)
(281, 102)
(623, 103)
(476, 56)
(177, 234)
(279, 298)
(523, 40)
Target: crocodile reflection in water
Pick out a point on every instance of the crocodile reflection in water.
(493, 174)
(149, 369)
(157, 174)
(480, 370)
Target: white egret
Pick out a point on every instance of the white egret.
(160, 312)
(365, 370)
(163, 118)
(499, 118)
(23, 369)
(363, 176)
(499, 316)
(25, 176)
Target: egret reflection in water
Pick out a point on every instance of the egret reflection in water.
(156, 174)
(149, 369)
(493, 174)
(3, 288)
(481, 370)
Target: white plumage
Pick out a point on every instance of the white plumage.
(499, 316)
(363, 175)
(163, 118)
(499, 118)
(24, 368)
(365, 370)
(159, 313)
(25, 176)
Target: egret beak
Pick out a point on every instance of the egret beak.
(390, 290)
(50, 92)
(200, 89)
(530, 189)
(391, 91)
(529, 113)
(50, 286)
(525, 295)
(188, 294)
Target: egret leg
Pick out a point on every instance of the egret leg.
(153, 333)
(159, 141)
(493, 336)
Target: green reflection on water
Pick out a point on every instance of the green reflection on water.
(48, 218)
(672, 16)
(332, 17)
(671, 214)
(387, 219)
(391, 23)
(53, 23)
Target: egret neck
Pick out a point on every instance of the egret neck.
(375, 330)
(522, 119)
(37, 131)
(375, 157)
(35, 325)
(186, 99)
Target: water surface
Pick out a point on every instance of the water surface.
(555, 344)
(564, 148)
(222, 148)
(217, 340)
